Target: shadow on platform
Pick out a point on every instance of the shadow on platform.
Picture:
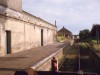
(49, 73)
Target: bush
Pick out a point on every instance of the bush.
(93, 42)
(60, 38)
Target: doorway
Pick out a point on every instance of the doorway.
(8, 41)
(41, 37)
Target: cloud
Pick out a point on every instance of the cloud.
(73, 14)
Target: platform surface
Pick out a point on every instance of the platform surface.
(25, 59)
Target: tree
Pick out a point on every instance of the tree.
(84, 34)
(95, 32)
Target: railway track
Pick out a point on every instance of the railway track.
(73, 62)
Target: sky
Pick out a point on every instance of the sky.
(74, 15)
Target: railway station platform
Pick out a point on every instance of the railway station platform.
(11, 63)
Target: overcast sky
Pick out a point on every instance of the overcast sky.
(75, 15)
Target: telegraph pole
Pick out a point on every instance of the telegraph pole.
(97, 35)
(56, 31)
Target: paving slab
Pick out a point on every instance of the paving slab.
(25, 59)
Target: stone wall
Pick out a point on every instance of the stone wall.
(23, 35)
(45, 65)
(25, 32)
(26, 17)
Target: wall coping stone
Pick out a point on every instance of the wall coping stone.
(46, 59)
(24, 16)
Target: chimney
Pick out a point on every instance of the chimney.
(55, 23)
(12, 4)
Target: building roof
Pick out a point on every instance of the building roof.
(64, 31)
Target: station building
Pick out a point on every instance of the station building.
(65, 33)
(20, 30)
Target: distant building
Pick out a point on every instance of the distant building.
(64, 32)
(20, 30)
(75, 36)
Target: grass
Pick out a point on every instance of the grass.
(96, 47)
(85, 62)
(62, 39)
(84, 45)
(71, 61)
(70, 65)
(72, 52)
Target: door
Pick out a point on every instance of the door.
(8, 42)
(41, 37)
